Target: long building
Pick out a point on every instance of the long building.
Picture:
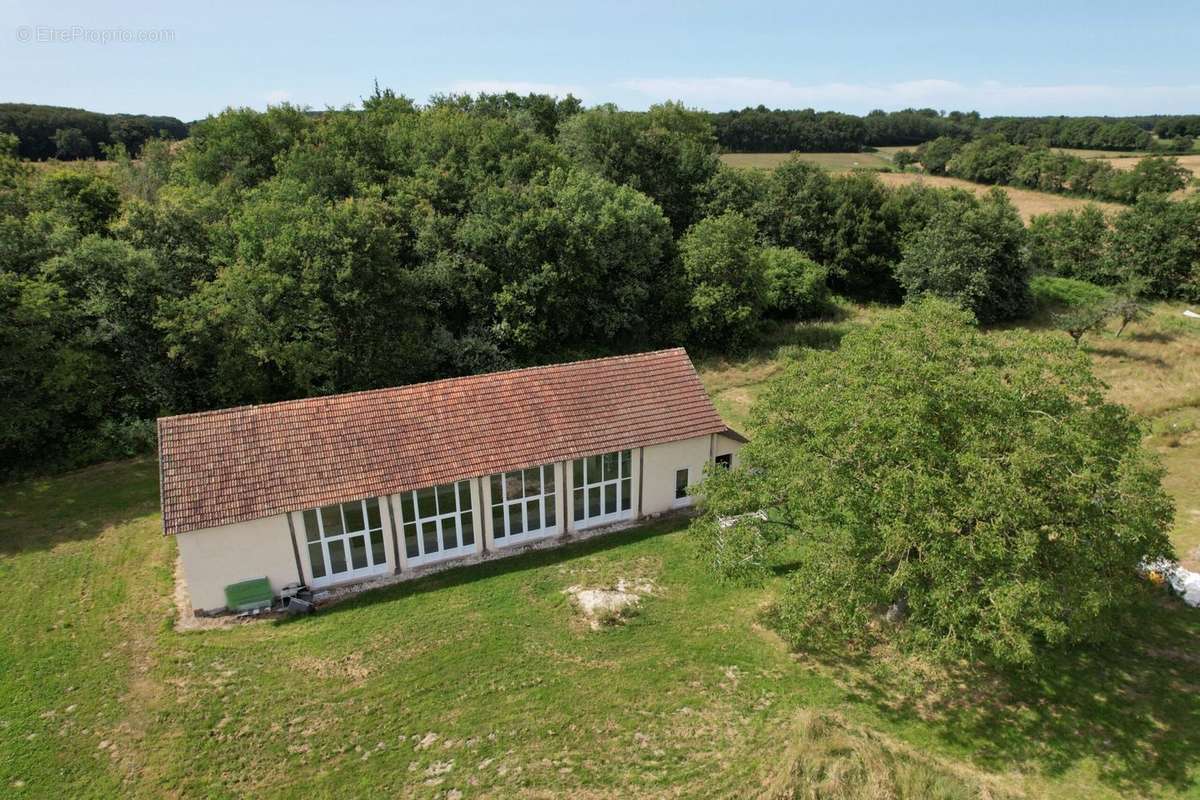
(332, 490)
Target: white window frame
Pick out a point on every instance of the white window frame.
(545, 500)
(414, 524)
(328, 544)
(686, 500)
(623, 482)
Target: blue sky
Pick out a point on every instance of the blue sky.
(1027, 58)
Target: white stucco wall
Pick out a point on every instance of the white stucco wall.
(213, 558)
(659, 466)
(724, 445)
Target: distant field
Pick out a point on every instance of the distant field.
(1028, 202)
(836, 162)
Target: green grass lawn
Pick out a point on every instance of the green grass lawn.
(481, 680)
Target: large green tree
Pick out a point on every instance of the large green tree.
(977, 485)
(668, 153)
(725, 272)
(974, 255)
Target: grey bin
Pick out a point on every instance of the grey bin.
(297, 606)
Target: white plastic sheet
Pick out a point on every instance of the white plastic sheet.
(1183, 582)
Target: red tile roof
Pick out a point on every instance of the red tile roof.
(237, 464)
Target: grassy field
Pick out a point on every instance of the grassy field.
(835, 162)
(1029, 203)
(481, 682)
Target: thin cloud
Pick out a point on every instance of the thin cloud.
(277, 96)
(989, 97)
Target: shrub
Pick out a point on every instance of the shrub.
(973, 255)
(1050, 292)
(723, 269)
(795, 284)
(1072, 244)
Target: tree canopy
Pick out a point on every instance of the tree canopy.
(976, 484)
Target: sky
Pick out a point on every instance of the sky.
(190, 60)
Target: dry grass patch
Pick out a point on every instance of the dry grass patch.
(1029, 203)
(834, 162)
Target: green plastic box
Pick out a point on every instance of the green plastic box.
(248, 595)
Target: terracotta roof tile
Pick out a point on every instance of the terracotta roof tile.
(237, 464)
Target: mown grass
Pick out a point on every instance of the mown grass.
(482, 680)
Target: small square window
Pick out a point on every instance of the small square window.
(426, 503)
(331, 519)
(681, 484)
(410, 540)
(316, 557)
(725, 461)
(610, 466)
(533, 482)
(429, 536)
(311, 531)
(513, 482)
(354, 516)
(445, 496)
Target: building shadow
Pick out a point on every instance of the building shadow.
(453, 576)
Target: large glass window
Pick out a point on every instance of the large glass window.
(345, 540)
(523, 504)
(438, 521)
(601, 486)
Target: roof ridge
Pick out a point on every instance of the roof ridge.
(359, 392)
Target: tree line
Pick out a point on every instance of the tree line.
(69, 134)
(994, 160)
(763, 130)
(281, 254)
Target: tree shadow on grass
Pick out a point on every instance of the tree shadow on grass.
(518, 562)
(1156, 337)
(42, 513)
(1131, 707)
(1120, 352)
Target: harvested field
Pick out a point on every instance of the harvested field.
(1028, 202)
